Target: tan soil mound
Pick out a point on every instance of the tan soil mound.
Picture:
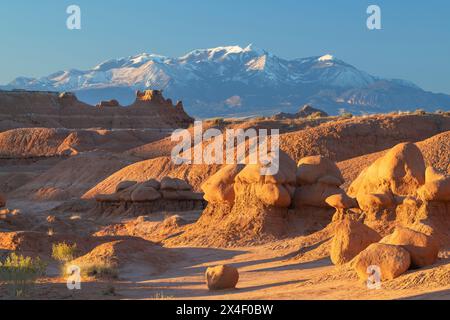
(71, 178)
(158, 168)
(40, 244)
(44, 142)
(145, 228)
(435, 150)
(130, 256)
(345, 139)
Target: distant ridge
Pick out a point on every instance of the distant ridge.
(232, 80)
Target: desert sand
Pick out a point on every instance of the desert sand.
(114, 192)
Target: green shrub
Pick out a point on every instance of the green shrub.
(64, 252)
(20, 272)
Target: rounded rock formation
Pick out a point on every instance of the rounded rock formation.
(392, 261)
(423, 249)
(220, 186)
(400, 172)
(222, 277)
(350, 238)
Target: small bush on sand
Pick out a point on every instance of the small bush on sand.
(64, 252)
(162, 296)
(19, 273)
(99, 271)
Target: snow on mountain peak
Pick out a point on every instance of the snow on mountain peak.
(327, 57)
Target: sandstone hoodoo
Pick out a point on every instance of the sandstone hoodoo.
(245, 205)
(54, 110)
(396, 187)
(222, 277)
(318, 185)
(135, 199)
(350, 238)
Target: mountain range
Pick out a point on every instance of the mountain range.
(233, 81)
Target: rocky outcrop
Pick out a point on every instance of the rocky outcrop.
(54, 110)
(136, 199)
(305, 112)
(109, 103)
(396, 193)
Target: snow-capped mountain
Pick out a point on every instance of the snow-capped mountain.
(235, 80)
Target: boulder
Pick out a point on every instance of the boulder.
(144, 193)
(423, 249)
(375, 202)
(125, 185)
(274, 190)
(341, 201)
(315, 195)
(222, 277)
(155, 184)
(260, 172)
(436, 188)
(391, 260)
(273, 195)
(168, 183)
(311, 169)
(400, 171)
(219, 187)
(350, 238)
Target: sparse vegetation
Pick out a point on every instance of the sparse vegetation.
(420, 112)
(162, 296)
(217, 121)
(64, 252)
(19, 273)
(99, 270)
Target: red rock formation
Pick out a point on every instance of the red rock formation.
(54, 110)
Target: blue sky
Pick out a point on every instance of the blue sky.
(414, 43)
